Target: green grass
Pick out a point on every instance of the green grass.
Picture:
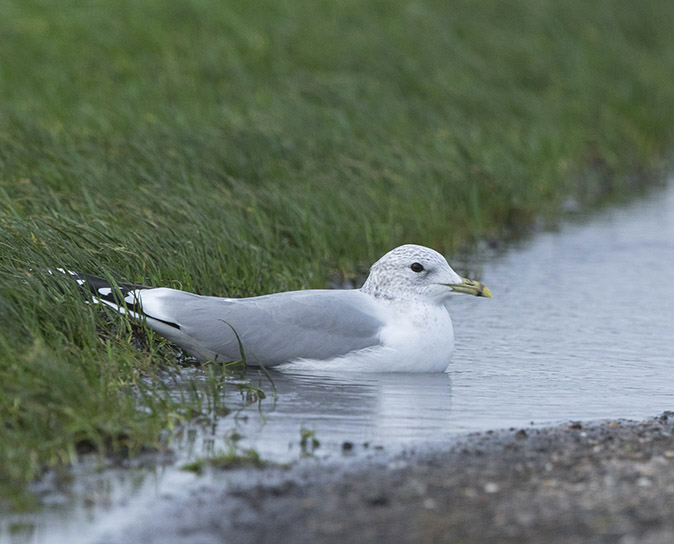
(244, 147)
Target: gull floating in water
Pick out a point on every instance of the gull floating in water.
(396, 322)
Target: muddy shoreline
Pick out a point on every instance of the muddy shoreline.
(609, 481)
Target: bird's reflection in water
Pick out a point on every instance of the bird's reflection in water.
(365, 410)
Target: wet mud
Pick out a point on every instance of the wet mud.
(602, 482)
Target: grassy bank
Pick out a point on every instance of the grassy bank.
(240, 148)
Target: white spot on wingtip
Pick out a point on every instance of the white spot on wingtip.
(80, 282)
(63, 271)
(121, 310)
(105, 291)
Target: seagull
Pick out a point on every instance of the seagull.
(398, 321)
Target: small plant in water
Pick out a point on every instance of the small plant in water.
(229, 459)
(308, 442)
(251, 393)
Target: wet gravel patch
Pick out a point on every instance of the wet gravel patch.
(605, 482)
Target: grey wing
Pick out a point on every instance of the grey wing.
(314, 324)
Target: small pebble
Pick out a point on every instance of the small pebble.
(430, 504)
(644, 482)
(491, 487)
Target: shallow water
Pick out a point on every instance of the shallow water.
(581, 327)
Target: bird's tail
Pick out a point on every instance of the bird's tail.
(123, 297)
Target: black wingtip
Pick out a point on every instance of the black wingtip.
(115, 294)
(106, 290)
(121, 296)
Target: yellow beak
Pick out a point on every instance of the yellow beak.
(470, 287)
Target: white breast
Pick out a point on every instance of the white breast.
(422, 339)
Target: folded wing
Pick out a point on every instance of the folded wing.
(273, 329)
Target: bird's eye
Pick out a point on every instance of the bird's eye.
(417, 267)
